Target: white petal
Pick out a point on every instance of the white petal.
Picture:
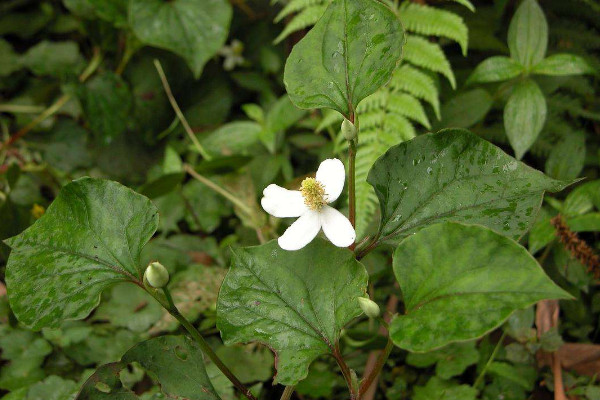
(301, 232)
(282, 203)
(337, 227)
(331, 174)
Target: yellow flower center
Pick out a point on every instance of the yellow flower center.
(313, 192)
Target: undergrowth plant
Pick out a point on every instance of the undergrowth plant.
(212, 199)
(451, 204)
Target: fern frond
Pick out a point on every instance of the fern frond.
(417, 83)
(421, 52)
(408, 106)
(295, 6)
(465, 3)
(307, 17)
(375, 101)
(430, 21)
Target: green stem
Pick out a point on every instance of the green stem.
(345, 371)
(184, 122)
(172, 309)
(58, 104)
(20, 109)
(352, 182)
(223, 192)
(361, 252)
(131, 46)
(489, 362)
(383, 356)
(287, 393)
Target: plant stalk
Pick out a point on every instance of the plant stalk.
(383, 356)
(287, 392)
(206, 349)
(352, 182)
(58, 104)
(223, 192)
(184, 122)
(345, 372)
(489, 362)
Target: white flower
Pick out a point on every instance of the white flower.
(310, 204)
(232, 54)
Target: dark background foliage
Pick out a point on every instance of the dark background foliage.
(80, 96)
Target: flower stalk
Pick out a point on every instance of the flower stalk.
(204, 346)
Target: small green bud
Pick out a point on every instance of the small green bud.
(369, 307)
(156, 275)
(348, 129)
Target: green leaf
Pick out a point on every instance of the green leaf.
(423, 53)
(201, 30)
(232, 138)
(582, 199)
(495, 69)
(439, 389)
(523, 375)
(455, 175)
(90, 236)
(296, 302)
(451, 360)
(106, 101)
(528, 34)
(449, 273)
(248, 363)
(524, 116)
(466, 109)
(53, 58)
(9, 60)
(567, 157)
(351, 51)
(205, 207)
(52, 388)
(563, 64)
(114, 11)
(176, 361)
(105, 384)
(135, 310)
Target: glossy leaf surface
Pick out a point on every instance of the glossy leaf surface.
(455, 175)
(350, 53)
(90, 236)
(176, 361)
(296, 302)
(461, 281)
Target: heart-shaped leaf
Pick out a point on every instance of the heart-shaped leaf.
(455, 175)
(193, 30)
(90, 237)
(461, 281)
(176, 361)
(351, 52)
(296, 302)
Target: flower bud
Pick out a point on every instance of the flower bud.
(156, 275)
(369, 307)
(348, 129)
